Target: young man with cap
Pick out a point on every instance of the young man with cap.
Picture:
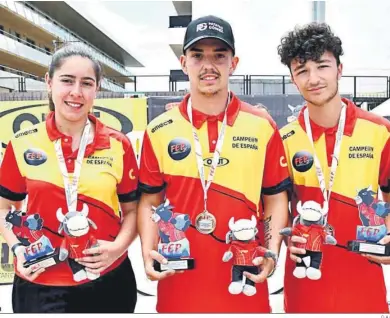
(338, 156)
(213, 157)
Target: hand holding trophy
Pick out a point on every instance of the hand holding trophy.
(372, 212)
(174, 245)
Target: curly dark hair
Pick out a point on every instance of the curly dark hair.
(309, 43)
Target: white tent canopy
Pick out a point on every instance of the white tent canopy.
(383, 109)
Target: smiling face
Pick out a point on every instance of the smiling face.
(208, 64)
(317, 81)
(73, 88)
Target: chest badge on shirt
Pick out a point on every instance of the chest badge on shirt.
(221, 162)
(302, 161)
(35, 157)
(179, 148)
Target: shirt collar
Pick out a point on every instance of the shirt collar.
(199, 118)
(100, 141)
(318, 130)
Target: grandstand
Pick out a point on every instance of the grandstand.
(30, 31)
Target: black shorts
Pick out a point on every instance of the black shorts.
(315, 259)
(115, 292)
(238, 270)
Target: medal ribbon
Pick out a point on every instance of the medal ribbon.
(198, 151)
(1, 153)
(71, 186)
(335, 156)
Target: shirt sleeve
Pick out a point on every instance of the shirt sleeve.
(127, 188)
(151, 178)
(12, 183)
(276, 176)
(384, 172)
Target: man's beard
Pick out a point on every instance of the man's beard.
(327, 100)
(210, 94)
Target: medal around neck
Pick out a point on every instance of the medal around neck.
(173, 245)
(372, 213)
(205, 222)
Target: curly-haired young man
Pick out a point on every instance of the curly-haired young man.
(333, 149)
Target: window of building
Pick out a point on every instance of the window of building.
(18, 36)
(48, 52)
(1, 29)
(30, 42)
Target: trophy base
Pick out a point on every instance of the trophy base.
(44, 261)
(175, 264)
(368, 248)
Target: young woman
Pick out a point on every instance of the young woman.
(81, 178)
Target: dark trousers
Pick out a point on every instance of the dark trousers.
(115, 292)
(315, 259)
(238, 270)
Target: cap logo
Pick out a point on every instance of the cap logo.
(201, 27)
(210, 25)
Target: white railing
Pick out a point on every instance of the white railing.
(21, 49)
(61, 32)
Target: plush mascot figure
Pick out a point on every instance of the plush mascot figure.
(243, 250)
(310, 224)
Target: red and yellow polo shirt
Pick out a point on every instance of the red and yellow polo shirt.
(349, 282)
(251, 164)
(109, 175)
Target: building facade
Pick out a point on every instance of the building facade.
(31, 31)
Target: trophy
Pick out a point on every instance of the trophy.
(41, 254)
(372, 212)
(173, 245)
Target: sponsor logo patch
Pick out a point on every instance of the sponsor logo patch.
(302, 161)
(221, 162)
(179, 148)
(161, 125)
(289, 134)
(35, 157)
(27, 132)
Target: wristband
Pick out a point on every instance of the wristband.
(272, 272)
(275, 259)
(15, 246)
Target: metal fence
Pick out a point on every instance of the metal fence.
(356, 86)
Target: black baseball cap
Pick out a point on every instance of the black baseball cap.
(209, 27)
